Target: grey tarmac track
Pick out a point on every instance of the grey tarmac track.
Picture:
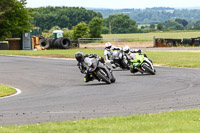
(54, 90)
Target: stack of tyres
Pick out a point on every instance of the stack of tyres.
(44, 43)
(187, 41)
(197, 41)
(52, 42)
(61, 43)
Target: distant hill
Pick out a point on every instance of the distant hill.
(197, 7)
(154, 15)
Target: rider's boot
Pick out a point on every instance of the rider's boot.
(88, 77)
(132, 70)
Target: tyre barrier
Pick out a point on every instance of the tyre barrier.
(62, 43)
(44, 43)
(165, 42)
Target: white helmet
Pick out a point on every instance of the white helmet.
(126, 49)
(108, 45)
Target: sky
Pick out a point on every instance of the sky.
(114, 4)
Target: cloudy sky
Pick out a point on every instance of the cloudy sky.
(115, 4)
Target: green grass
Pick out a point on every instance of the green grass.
(6, 91)
(172, 122)
(70, 53)
(171, 34)
(175, 59)
(145, 37)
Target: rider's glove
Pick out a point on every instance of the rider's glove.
(83, 71)
(139, 51)
(87, 55)
(95, 55)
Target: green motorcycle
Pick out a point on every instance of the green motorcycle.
(141, 63)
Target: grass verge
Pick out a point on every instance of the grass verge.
(69, 53)
(6, 90)
(163, 58)
(175, 59)
(171, 122)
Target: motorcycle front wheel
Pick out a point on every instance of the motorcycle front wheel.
(113, 78)
(148, 69)
(103, 77)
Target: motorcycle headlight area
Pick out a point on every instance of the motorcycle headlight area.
(133, 56)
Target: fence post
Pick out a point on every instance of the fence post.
(78, 45)
(154, 41)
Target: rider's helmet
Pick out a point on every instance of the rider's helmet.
(108, 45)
(126, 49)
(79, 56)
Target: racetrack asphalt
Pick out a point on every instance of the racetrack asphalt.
(54, 90)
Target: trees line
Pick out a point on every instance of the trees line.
(156, 14)
(15, 18)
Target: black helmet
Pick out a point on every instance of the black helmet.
(79, 56)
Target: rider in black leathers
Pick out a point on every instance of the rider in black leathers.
(82, 66)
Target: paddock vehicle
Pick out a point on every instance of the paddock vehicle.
(141, 63)
(98, 70)
(120, 59)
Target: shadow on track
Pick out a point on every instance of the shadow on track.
(94, 84)
(138, 74)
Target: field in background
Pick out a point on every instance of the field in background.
(138, 39)
(171, 34)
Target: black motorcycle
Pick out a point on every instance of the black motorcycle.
(120, 59)
(98, 70)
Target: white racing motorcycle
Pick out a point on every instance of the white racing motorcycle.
(120, 59)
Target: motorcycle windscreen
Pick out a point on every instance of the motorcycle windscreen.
(134, 56)
(88, 61)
